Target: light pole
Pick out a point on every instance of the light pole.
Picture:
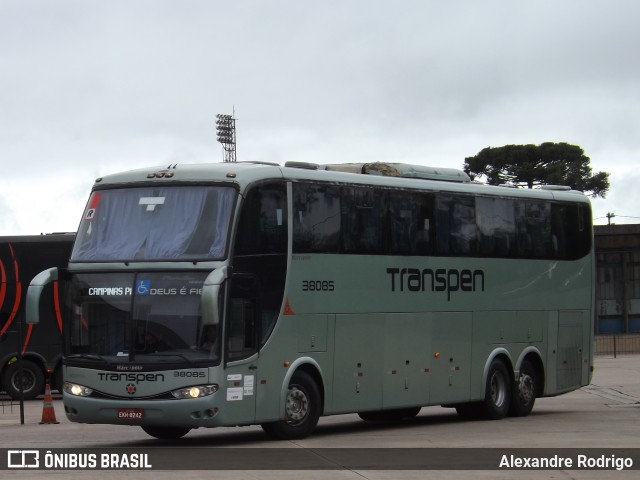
(226, 130)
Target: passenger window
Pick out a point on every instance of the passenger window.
(533, 227)
(496, 226)
(456, 219)
(316, 218)
(410, 227)
(362, 220)
(571, 239)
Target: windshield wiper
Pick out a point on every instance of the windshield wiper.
(168, 354)
(90, 356)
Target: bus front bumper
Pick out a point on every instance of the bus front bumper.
(193, 412)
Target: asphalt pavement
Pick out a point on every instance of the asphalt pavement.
(603, 415)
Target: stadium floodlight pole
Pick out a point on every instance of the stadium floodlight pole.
(226, 131)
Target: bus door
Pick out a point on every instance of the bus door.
(242, 333)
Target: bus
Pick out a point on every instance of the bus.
(29, 354)
(249, 293)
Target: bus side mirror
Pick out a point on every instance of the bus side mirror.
(32, 308)
(210, 296)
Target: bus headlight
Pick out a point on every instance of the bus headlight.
(195, 391)
(77, 390)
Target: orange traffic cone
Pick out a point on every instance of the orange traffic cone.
(48, 413)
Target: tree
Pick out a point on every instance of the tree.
(545, 164)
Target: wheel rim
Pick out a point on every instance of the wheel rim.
(297, 405)
(498, 389)
(27, 380)
(526, 388)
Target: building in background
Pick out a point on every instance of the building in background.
(618, 278)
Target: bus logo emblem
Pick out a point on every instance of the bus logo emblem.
(131, 388)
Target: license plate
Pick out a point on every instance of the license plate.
(130, 414)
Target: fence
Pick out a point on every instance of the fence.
(617, 345)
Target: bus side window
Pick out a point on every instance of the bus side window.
(496, 226)
(456, 218)
(410, 229)
(571, 239)
(263, 224)
(261, 254)
(533, 226)
(424, 243)
(242, 325)
(362, 220)
(316, 219)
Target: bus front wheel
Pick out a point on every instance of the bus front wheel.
(301, 412)
(166, 433)
(497, 398)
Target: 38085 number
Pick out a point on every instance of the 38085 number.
(318, 286)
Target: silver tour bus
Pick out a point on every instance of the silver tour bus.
(248, 293)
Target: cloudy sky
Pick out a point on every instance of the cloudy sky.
(90, 87)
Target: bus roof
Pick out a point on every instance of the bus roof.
(394, 175)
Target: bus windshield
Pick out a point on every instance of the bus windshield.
(155, 223)
(154, 318)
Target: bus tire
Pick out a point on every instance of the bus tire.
(32, 380)
(497, 398)
(525, 389)
(166, 433)
(303, 406)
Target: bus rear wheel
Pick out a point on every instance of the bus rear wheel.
(525, 389)
(302, 410)
(498, 389)
(166, 433)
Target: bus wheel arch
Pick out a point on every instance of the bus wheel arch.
(303, 406)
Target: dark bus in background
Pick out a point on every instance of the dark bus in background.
(21, 258)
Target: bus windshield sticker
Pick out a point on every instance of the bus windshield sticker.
(151, 202)
(93, 205)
